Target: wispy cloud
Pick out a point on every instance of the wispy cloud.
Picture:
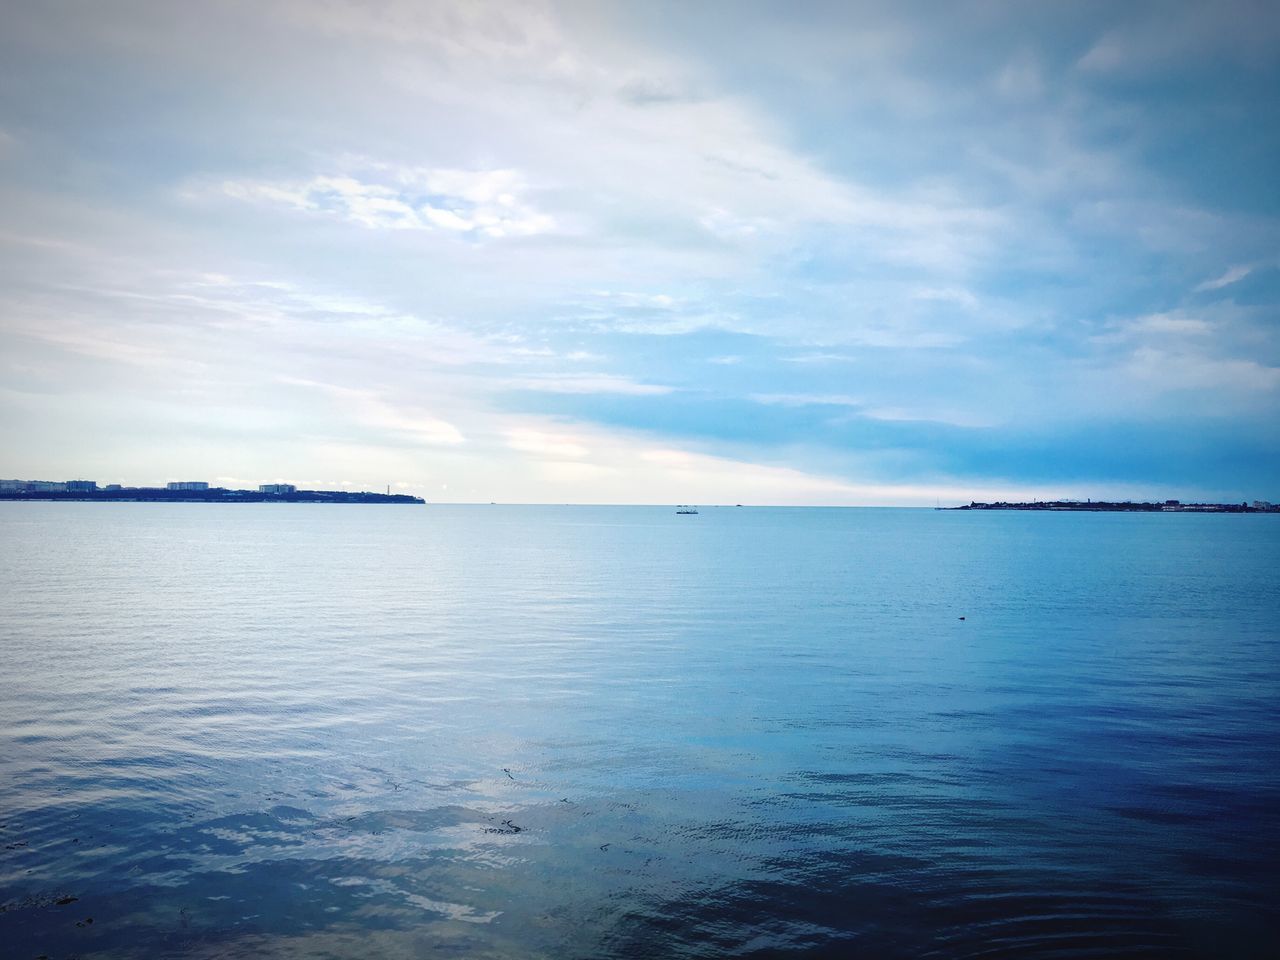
(590, 383)
(1174, 371)
(1232, 275)
(820, 357)
(378, 413)
(486, 203)
(956, 295)
(1185, 35)
(1155, 327)
(807, 399)
(555, 446)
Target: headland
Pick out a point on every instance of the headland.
(187, 491)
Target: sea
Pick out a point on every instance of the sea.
(389, 731)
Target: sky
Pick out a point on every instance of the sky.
(716, 252)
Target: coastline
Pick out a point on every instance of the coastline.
(213, 495)
(1104, 506)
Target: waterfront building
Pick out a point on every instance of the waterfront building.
(188, 485)
(81, 486)
(277, 488)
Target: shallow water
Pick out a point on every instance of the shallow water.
(391, 731)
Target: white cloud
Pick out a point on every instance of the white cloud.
(956, 295)
(1155, 327)
(563, 95)
(573, 476)
(952, 418)
(552, 446)
(1169, 371)
(372, 410)
(589, 383)
(1232, 275)
(477, 202)
(806, 399)
(1172, 324)
(820, 357)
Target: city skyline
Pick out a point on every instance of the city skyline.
(873, 254)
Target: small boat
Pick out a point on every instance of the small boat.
(684, 509)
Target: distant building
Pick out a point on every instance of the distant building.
(1262, 505)
(13, 484)
(188, 485)
(277, 488)
(113, 486)
(46, 486)
(81, 486)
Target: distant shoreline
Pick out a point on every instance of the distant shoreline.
(212, 495)
(1105, 506)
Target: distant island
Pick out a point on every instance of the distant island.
(1125, 506)
(186, 491)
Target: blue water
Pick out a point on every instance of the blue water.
(490, 731)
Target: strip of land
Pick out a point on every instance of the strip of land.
(1125, 506)
(87, 491)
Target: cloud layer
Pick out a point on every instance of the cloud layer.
(855, 253)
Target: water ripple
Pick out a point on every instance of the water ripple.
(522, 732)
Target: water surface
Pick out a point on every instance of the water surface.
(394, 731)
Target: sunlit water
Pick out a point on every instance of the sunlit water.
(397, 731)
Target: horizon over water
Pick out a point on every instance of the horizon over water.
(608, 731)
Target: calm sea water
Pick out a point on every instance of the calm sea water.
(490, 731)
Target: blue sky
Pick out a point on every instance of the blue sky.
(847, 253)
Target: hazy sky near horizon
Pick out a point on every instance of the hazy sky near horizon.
(864, 253)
